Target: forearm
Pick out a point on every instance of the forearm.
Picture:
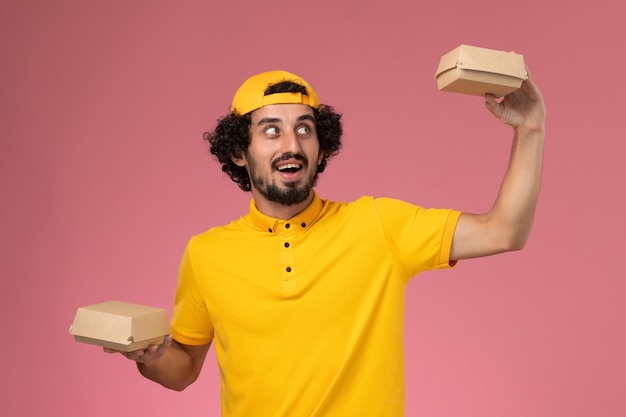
(513, 211)
(506, 226)
(175, 370)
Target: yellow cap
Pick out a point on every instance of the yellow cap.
(251, 95)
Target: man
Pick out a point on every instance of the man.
(304, 297)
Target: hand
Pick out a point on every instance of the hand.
(521, 109)
(147, 355)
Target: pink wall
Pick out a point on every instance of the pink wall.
(104, 176)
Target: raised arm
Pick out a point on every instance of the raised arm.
(172, 364)
(506, 226)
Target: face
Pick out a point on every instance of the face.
(283, 154)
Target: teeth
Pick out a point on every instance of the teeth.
(287, 166)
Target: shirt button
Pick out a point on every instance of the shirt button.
(303, 224)
(287, 226)
(269, 230)
(288, 269)
(286, 244)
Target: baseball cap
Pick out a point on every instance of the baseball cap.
(251, 95)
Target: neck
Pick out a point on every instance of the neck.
(279, 211)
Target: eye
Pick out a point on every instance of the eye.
(303, 130)
(271, 131)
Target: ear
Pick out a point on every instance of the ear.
(238, 159)
(319, 158)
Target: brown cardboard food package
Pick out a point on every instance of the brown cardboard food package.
(477, 71)
(120, 325)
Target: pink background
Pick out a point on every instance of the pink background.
(104, 177)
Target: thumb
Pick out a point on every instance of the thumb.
(493, 106)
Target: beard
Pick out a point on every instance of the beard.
(287, 197)
(293, 193)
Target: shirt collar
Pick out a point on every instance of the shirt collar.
(300, 221)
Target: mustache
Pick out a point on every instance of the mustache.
(287, 156)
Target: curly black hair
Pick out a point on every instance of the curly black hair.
(231, 135)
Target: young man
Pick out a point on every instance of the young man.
(304, 297)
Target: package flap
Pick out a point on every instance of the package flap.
(474, 58)
(116, 323)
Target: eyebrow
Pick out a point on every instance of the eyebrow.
(267, 120)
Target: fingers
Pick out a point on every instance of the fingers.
(110, 351)
(142, 355)
(493, 106)
(149, 354)
(523, 108)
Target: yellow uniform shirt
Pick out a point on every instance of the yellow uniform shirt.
(306, 314)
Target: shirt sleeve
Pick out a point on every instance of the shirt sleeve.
(191, 323)
(421, 238)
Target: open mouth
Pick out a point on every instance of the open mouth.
(290, 168)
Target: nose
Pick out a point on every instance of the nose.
(290, 143)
